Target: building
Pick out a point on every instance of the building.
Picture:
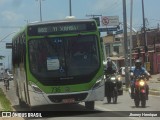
(115, 48)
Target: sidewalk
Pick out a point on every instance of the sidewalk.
(154, 85)
(7, 118)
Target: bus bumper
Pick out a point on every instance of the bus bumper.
(95, 94)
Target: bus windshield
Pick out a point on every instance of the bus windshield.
(64, 56)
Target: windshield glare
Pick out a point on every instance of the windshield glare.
(64, 56)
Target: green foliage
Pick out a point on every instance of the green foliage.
(4, 102)
(1, 57)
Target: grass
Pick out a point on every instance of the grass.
(4, 102)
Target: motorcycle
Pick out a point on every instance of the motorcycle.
(113, 87)
(140, 94)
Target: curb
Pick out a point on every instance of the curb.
(153, 92)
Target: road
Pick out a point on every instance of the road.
(101, 111)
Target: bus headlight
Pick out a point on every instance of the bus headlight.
(35, 88)
(98, 82)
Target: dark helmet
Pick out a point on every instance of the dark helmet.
(138, 63)
(109, 63)
(6, 70)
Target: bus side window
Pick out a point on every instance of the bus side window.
(16, 52)
(19, 52)
(13, 53)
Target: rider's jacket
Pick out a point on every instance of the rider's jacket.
(110, 71)
(138, 72)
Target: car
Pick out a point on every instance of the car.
(113, 65)
(122, 70)
(122, 73)
(10, 75)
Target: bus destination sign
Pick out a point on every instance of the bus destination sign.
(52, 29)
(46, 29)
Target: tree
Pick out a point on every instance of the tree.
(1, 57)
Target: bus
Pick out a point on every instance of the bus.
(58, 62)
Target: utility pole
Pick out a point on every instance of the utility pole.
(125, 44)
(146, 62)
(70, 7)
(131, 33)
(130, 48)
(40, 9)
(144, 30)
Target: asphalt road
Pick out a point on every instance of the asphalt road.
(102, 110)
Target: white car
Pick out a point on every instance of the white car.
(122, 73)
(10, 75)
(122, 70)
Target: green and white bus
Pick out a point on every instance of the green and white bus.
(57, 62)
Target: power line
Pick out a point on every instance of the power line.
(112, 5)
(7, 36)
(12, 27)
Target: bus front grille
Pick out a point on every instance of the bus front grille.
(59, 98)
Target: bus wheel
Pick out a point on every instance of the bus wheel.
(90, 105)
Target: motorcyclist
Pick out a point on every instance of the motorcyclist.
(109, 68)
(137, 71)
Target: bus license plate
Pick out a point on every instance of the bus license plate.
(70, 100)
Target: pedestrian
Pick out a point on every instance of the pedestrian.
(6, 79)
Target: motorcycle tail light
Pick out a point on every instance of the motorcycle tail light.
(141, 83)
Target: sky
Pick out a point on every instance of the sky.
(16, 13)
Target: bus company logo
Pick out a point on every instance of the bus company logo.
(20, 114)
(6, 114)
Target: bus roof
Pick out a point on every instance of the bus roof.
(58, 21)
(36, 23)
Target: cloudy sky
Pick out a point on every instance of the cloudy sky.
(15, 14)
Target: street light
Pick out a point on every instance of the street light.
(144, 29)
(40, 9)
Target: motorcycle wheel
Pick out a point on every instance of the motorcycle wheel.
(115, 95)
(143, 100)
(137, 103)
(136, 100)
(109, 99)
